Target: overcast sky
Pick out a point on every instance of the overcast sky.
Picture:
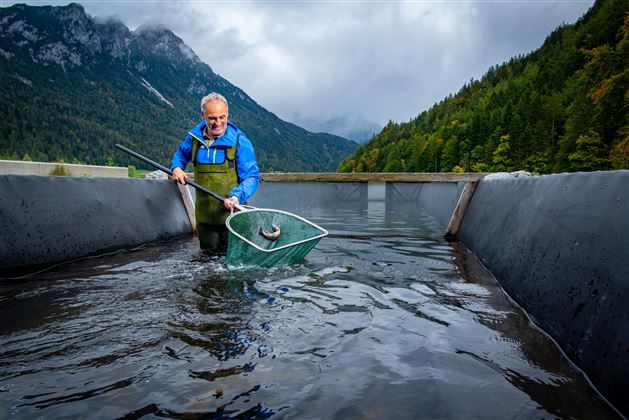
(379, 60)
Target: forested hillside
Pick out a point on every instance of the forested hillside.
(71, 86)
(564, 107)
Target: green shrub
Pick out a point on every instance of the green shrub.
(59, 170)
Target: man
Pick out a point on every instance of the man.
(224, 162)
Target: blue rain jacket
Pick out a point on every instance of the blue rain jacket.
(246, 164)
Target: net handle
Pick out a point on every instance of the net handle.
(169, 172)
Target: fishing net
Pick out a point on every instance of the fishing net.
(246, 246)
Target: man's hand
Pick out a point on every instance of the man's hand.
(179, 175)
(229, 202)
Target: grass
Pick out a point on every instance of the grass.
(137, 173)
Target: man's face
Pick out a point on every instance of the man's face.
(215, 116)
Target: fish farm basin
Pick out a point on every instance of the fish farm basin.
(110, 309)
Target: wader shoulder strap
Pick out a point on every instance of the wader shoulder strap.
(195, 146)
(230, 154)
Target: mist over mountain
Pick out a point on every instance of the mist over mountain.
(71, 86)
(355, 128)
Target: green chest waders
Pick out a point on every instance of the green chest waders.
(210, 212)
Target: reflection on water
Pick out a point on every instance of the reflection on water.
(384, 319)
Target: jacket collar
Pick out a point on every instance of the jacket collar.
(228, 139)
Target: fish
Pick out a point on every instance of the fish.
(271, 236)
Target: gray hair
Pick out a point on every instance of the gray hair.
(212, 97)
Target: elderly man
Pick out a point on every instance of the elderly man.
(224, 162)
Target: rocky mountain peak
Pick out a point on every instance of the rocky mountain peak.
(114, 36)
(161, 41)
(78, 27)
(71, 12)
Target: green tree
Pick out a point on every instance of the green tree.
(619, 155)
(371, 160)
(502, 155)
(450, 156)
(591, 153)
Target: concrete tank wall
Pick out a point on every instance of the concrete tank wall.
(45, 220)
(559, 245)
(437, 198)
(274, 194)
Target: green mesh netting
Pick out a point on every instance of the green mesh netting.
(247, 247)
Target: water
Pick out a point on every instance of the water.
(385, 319)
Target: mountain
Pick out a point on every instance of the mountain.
(71, 86)
(355, 128)
(564, 107)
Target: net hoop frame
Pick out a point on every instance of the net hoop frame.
(324, 232)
